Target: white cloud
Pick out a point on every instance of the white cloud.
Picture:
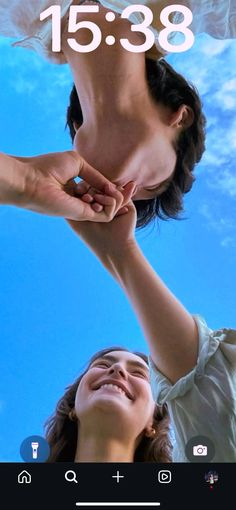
(219, 160)
(210, 47)
(226, 95)
(23, 85)
(212, 159)
(210, 66)
(231, 135)
(207, 212)
(228, 242)
(28, 71)
(230, 85)
(18, 58)
(226, 182)
(46, 85)
(221, 222)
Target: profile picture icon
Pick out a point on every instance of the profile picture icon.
(211, 478)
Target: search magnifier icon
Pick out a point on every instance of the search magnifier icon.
(70, 476)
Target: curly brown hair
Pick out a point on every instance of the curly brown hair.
(171, 89)
(62, 432)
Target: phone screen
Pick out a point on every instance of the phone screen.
(117, 302)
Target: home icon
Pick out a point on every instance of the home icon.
(24, 477)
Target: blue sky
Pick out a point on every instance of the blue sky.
(57, 304)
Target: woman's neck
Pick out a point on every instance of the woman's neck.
(95, 448)
(119, 114)
(111, 93)
(110, 80)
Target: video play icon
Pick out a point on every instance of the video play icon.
(164, 476)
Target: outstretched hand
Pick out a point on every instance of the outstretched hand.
(51, 189)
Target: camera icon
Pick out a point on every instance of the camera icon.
(200, 451)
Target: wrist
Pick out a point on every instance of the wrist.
(14, 177)
(118, 259)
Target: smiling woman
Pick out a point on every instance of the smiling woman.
(108, 414)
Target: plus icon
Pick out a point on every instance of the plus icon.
(118, 476)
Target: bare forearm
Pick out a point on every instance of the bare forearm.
(169, 329)
(13, 179)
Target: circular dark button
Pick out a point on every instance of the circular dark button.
(200, 449)
(34, 449)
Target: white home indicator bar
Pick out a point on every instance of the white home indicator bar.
(118, 504)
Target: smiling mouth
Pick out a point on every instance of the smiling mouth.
(115, 388)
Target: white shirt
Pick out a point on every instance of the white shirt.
(203, 403)
(214, 17)
(20, 19)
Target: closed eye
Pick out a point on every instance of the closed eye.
(101, 364)
(161, 187)
(139, 373)
(136, 372)
(151, 189)
(152, 192)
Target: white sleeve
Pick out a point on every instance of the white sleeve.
(216, 18)
(204, 401)
(21, 19)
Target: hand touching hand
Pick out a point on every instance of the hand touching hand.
(46, 184)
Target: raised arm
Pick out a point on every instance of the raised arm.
(169, 329)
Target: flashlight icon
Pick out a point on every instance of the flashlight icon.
(35, 450)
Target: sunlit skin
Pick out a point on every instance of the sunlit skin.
(111, 425)
(126, 135)
(45, 184)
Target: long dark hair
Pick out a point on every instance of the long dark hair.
(62, 432)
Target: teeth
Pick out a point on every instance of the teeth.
(113, 386)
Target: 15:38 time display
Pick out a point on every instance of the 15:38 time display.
(74, 26)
